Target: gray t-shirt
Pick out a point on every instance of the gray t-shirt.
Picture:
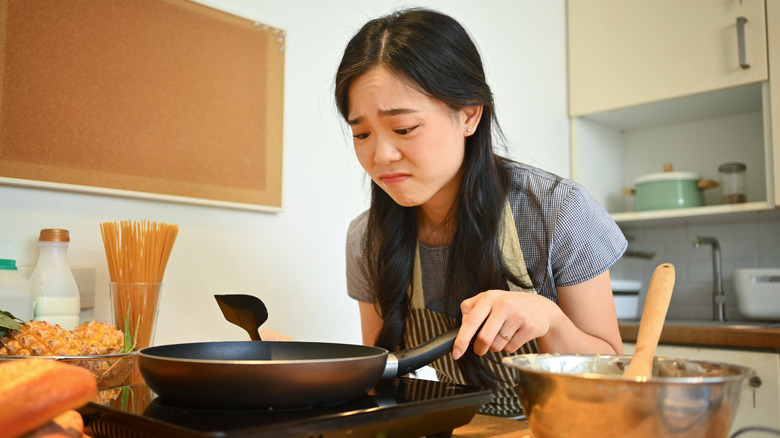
(565, 235)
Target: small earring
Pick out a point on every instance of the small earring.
(468, 129)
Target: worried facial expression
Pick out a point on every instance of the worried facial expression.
(410, 144)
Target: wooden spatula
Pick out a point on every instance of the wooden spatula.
(659, 293)
(245, 311)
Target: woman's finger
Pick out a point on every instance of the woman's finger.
(489, 337)
(483, 316)
(501, 340)
(475, 310)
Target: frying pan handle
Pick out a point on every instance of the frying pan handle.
(403, 362)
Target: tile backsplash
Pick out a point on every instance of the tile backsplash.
(743, 244)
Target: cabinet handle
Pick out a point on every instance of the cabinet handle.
(741, 42)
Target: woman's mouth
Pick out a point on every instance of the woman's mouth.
(393, 178)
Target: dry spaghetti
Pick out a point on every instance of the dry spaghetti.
(137, 254)
(137, 251)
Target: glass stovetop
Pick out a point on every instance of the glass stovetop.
(401, 407)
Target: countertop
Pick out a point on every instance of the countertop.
(730, 335)
(483, 426)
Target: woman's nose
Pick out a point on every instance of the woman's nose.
(386, 151)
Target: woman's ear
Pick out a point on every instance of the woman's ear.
(471, 115)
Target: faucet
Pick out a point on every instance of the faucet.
(718, 296)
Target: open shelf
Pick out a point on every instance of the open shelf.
(699, 215)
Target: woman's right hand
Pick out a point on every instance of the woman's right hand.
(583, 321)
(271, 335)
(502, 320)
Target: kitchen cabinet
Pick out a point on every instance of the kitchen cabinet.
(625, 53)
(758, 406)
(660, 82)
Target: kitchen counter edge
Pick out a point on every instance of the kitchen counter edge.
(764, 338)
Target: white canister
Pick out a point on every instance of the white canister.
(15, 292)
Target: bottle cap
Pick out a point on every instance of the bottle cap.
(54, 235)
(7, 265)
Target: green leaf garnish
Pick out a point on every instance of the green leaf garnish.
(125, 396)
(129, 342)
(137, 324)
(9, 322)
(128, 336)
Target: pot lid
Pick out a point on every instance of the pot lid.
(667, 176)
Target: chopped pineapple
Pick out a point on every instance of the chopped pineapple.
(100, 338)
(39, 338)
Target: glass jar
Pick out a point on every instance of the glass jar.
(732, 182)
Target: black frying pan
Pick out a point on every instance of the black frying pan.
(263, 374)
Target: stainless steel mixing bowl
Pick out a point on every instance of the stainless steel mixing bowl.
(587, 396)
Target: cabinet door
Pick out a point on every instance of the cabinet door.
(628, 52)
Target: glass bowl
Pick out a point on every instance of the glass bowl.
(110, 369)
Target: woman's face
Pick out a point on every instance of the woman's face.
(410, 144)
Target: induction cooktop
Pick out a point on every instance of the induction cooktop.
(401, 407)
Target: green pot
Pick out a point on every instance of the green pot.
(665, 190)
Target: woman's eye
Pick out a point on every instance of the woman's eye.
(405, 130)
(360, 136)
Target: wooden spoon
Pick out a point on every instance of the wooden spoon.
(659, 293)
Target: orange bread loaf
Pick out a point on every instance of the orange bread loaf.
(35, 391)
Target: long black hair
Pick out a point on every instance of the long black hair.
(435, 55)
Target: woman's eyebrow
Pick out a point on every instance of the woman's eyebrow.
(384, 113)
(396, 111)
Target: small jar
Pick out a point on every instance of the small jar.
(732, 182)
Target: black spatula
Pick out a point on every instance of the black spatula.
(245, 311)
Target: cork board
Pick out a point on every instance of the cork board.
(161, 97)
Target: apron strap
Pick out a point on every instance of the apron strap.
(511, 250)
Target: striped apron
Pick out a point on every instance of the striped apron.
(423, 324)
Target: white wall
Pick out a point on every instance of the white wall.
(294, 260)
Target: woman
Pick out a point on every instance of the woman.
(457, 235)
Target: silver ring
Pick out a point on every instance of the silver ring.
(504, 335)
